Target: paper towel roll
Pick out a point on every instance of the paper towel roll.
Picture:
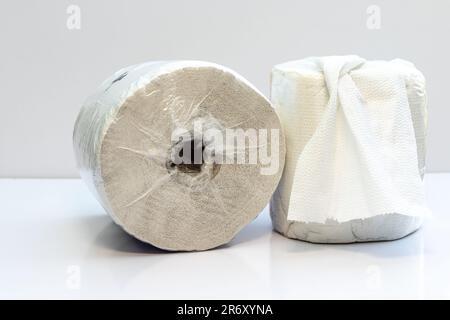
(127, 140)
(355, 136)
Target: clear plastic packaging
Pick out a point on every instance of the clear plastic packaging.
(355, 134)
(125, 149)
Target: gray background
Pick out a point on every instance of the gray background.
(47, 70)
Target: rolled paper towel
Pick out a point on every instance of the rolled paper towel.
(355, 137)
(166, 147)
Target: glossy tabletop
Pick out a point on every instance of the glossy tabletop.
(57, 242)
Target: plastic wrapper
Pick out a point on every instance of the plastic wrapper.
(355, 135)
(129, 140)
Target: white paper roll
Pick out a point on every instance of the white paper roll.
(130, 132)
(355, 136)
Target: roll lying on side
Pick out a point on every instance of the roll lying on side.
(355, 137)
(131, 141)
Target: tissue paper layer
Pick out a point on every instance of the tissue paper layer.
(355, 135)
(130, 132)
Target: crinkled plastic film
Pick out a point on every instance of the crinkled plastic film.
(123, 142)
(366, 174)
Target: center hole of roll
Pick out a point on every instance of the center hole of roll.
(187, 156)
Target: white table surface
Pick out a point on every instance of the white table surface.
(57, 242)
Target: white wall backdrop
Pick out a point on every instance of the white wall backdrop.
(47, 69)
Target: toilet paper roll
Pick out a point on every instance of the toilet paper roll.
(355, 135)
(137, 141)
